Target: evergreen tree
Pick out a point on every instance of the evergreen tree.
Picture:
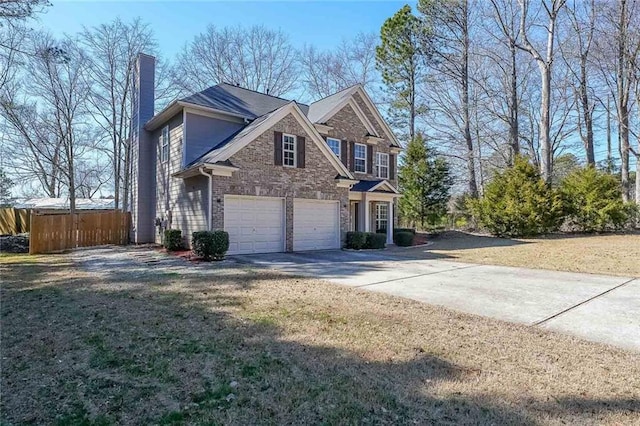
(425, 182)
(5, 189)
(400, 58)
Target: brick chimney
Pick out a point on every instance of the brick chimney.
(143, 191)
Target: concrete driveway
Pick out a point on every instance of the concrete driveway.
(595, 307)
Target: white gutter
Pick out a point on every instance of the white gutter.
(210, 196)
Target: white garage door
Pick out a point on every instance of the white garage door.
(254, 224)
(316, 225)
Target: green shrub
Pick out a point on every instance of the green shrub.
(410, 230)
(593, 201)
(210, 244)
(365, 240)
(404, 239)
(376, 241)
(356, 240)
(173, 239)
(517, 202)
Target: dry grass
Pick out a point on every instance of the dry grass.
(597, 254)
(84, 347)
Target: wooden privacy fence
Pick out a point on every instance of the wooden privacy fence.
(13, 221)
(57, 232)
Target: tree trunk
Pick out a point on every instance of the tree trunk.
(545, 118)
(623, 125)
(471, 168)
(514, 132)
(586, 113)
(623, 112)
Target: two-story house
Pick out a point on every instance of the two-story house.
(277, 175)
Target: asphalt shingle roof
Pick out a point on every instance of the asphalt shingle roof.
(319, 108)
(237, 100)
(365, 185)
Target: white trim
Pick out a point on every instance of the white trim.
(291, 108)
(215, 169)
(164, 160)
(355, 145)
(294, 150)
(184, 139)
(213, 114)
(323, 129)
(378, 165)
(384, 183)
(174, 107)
(339, 146)
(346, 183)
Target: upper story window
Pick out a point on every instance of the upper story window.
(360, 158)
(334, 144)
(288, 150)
(382, 165)
(164, 145)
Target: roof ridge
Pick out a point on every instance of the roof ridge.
(260, 93)
(337, 93)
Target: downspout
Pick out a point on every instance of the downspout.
(210, 195)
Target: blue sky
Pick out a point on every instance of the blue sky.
(322, 23)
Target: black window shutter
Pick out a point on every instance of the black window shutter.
(352, 147)
(370, 160)
(300, 153)
(277, 148)
(343, 152)
(392, 166)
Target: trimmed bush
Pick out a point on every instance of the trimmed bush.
(172, 239)
(410, 230)
(356, 240)
(594, 201)
(365, 240)
(210, 245)
(517, 202)
(404, 239)
(376, 241)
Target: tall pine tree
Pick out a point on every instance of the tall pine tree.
(400, 58)
(425, 182)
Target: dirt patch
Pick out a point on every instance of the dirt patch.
(140, 344)
(610, 254)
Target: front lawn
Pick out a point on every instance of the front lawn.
(136, 345)
(609, 254)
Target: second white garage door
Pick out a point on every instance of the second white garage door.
(254, 224)
(316, 225)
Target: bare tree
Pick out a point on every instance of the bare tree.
(576, 50)
(451, 21)
(506, 18)
(30, 149)
(552, 9)
(327, 72)
(111, 51)
(256, 58)
(21, 9)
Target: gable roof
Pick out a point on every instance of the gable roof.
(238, 100)
(319, 109)
(379, 185)
(227, 148)
(324, 109)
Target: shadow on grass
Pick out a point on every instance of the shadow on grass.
(91, 348)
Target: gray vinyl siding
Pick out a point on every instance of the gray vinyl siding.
(203, 131)
(181, 202)
(189, 205)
